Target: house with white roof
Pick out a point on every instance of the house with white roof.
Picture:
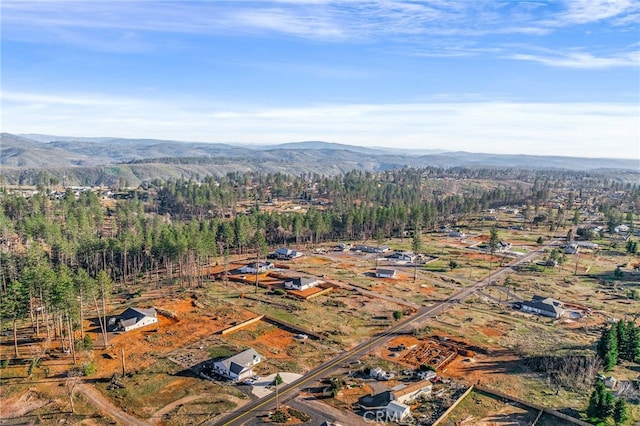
(300, 283)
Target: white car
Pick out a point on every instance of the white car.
(249, 382)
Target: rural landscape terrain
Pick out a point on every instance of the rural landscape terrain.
(164, 283)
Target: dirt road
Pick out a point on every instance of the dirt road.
(100, 401)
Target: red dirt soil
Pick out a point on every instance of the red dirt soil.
(142, 346)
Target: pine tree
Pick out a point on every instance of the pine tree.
(623, 339)
(594, 403)
(620, 411)
(634, 342)
(608, 405)
(608, 348)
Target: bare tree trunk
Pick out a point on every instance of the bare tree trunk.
(37, 322)
(72, 346)
(15, 336)
(103, 325)
(81, 314)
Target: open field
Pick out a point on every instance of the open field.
(480, 409)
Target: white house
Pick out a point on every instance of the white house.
(287, 254)
(377, 373)
(259, 268)
(238, 366)
(587, 245)
(571, 249)
(610, 382)
(397, 412)
(133, 318)
(407, 393)
(300, 283)
(385, 273)
(426, 375)
(457, 234)
(545, 306)
(504, 246)
(402, 256)
(371, 249)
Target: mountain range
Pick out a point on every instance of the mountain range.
(105, 161)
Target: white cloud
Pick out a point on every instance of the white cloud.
(582, 59)
(569, 129)
(435, 28)
(326, 20)
(585, 11)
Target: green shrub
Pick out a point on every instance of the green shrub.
(88, 369)
(87, 342)
(279, 417)
(299, 415)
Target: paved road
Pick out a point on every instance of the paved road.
(262, 406)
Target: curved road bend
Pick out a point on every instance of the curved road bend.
(264, 405)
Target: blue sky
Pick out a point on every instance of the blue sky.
(532, 77)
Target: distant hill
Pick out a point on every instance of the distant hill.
(95, 161)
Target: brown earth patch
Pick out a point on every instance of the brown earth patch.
(144, 345)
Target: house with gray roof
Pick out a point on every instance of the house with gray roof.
(284, 253)
(545, 306)
(377, 402)
(132, 318)
(385, 273)
(259, 268)
(239, 366)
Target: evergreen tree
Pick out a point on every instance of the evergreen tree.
(608, 348)
(594, 403)
(623, 339)
(633, 351)
(620, 411)
(608, 405)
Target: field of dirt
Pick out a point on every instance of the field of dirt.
(144, 345)
(479, 409)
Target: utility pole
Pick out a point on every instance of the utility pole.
(123, 366)
(277, 399)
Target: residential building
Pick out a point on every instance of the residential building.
(457, 234)
(300, 283)
(253, 268)
(239, 366)
(402, 256)
(371, 249)
(385, 273)
(133, 318)
(407, 393)
(545, 306)
(504, 246)
(397, 412)
(377, 402)
(287, 254)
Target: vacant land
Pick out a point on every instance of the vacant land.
(481, 409)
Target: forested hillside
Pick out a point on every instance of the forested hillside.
(110, 161)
